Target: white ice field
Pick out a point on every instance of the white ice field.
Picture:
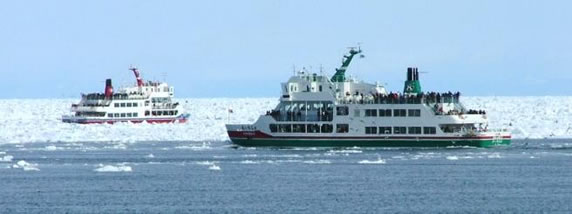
(39, 120)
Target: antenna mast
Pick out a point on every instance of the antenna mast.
(340, 75)
(137, 76)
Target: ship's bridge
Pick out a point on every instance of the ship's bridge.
(154, 89)
(306, 86)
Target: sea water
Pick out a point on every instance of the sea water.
(530, 176)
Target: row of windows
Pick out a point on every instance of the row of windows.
(344, 128)
(89, 114)
(344, 110)
(308, 128)
(122, 114)
(399, 130)
(161, 113)
(147, 113)
(396, 112)
(158, 89)
(123, 105)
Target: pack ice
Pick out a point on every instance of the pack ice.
(39, 120)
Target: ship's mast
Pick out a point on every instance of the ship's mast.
(340, 75)
(137, 76)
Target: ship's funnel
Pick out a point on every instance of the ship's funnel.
(412, 74)
(412, 84)
(409, 74)
(108, 89)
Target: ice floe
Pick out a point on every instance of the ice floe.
(378, 161)
(7, 158)
(113, 168)
(317, 162)
(39, 120)
(22, 164)
(452, 158)
(205, 163)
(249, 162)
(214, 167)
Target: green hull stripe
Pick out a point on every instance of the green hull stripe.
(367, 143)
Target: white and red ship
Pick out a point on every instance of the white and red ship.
(146, 102)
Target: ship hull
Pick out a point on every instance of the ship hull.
(262, 141)
(367, 143)
(84, 120)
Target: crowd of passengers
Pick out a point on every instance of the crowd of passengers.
(398, 98)
(101, 96)
(439, 111)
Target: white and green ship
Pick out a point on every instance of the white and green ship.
(316, 110)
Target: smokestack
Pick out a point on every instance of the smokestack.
(409, 74)
(108, 89)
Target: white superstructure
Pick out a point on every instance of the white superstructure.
(315, 110)
(146, 101)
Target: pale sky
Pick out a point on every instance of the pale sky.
(59, 49)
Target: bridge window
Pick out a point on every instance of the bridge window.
(327, 128)
(273, 128)
(285, 128)
(122, 104)
(128, 104)
(429, 130)
(116, 115)
(399, 113)
(313, 128)
(299, 128)
(414, 112)
(342, 128)
(385, 130)
(135, 114)
(116, 105)
(109, 115)
(385, 112)
(371, 112)
(122, 114)
(129, 114)
(371, 130)
(414, 130)
(146, 113)
(342, 110)
(134, 104)
(399, 130)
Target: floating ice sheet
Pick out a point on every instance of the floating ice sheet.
(39, 120)
(113, 168)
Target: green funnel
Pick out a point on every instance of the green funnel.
(412, 84)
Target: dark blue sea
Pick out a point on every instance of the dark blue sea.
(530, 176)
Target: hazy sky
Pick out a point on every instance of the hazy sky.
(246, 48)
